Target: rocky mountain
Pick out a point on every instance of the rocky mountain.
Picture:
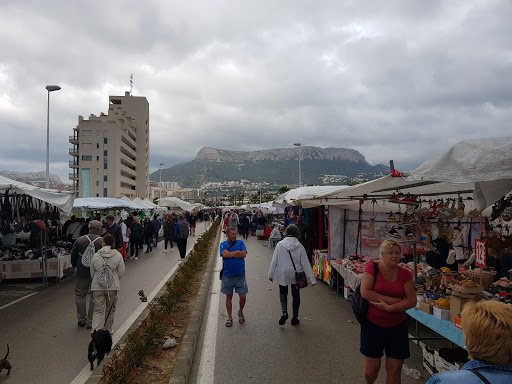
(275, 166)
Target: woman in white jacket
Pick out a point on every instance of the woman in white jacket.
(281, 270)
(107, 265)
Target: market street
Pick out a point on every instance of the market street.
(324, 348)
(47, 346)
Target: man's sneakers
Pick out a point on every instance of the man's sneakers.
(393, 233)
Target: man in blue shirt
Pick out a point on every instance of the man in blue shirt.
(233, 252)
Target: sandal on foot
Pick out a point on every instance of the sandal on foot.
(229, 323)
(241, 318)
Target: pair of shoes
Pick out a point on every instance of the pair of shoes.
(229, 323)
(81, 324)
(283, 319)
(295, 321)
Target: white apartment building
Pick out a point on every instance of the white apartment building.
(111, 152)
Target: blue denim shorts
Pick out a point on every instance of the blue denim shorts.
(237, 283)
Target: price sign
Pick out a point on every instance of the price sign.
(480, 253)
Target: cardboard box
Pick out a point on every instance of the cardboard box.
(429, 360)
(440, 313)
(457, 302)
(426, 307)
(447, 359)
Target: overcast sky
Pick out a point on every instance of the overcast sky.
(402, 80)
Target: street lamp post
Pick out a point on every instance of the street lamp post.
(49, 88)
(298, 146)
(161, 165)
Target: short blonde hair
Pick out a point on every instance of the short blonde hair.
(387, 245)
(487, 329)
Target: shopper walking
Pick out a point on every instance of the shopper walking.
(83, 273)
(181, 233)
(385, 331)
(156, 229)
(192, 220)
(148, 234)
(283, 272)
(136, 237)
(107, 266)
(487, 328)
(169, 227)
(233, 253)
(125, 232)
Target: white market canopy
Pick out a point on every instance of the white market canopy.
(60, 199)
(306, 193)
(174, 202)
(104, 203)
(480, 169)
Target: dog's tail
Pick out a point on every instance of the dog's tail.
(7, 354)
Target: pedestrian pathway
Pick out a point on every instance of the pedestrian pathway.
(324, 348)
(46, 344)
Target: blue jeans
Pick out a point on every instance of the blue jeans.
(149, 243)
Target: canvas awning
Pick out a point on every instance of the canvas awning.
(103, 203)
(63, 200)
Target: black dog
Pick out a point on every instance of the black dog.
(4, 363)
(100, 345)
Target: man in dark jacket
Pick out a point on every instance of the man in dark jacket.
(181, 234)
(169, 226)
(115, 230)
(83, 274)
(157, 224)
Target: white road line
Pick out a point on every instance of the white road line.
(82, 377)
(17, 300)
(206, 374)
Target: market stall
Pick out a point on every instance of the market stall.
(30, 231)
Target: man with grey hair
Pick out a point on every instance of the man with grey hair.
(83, 274)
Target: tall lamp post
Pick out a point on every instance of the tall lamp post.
(298, 146)
(161, 165)
(49, 88)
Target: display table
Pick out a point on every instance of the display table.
(445, 328)
(350, 278)
(29, 269)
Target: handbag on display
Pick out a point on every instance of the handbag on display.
(360, 305)
(300, 277)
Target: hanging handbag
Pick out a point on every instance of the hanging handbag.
(360, 305)
(300, 277)
(221, 273)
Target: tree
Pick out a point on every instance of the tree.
(283, 189)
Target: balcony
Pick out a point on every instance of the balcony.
(73, 164)
(73, 176)
(73, 139)
(73, 151)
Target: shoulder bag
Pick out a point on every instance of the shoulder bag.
(360, 305)
(300, 277)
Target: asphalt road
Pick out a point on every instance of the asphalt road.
(324, 348)
(47, 346)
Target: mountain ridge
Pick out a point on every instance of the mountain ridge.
(319, 166)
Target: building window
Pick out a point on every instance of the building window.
(97, 158)
(105, 193)
(105, 140)
(97, 183)
(105, 153)
(105, 165)
(97, 145)
(105, 178)
(86, 158)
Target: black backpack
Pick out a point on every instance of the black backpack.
(360, 305)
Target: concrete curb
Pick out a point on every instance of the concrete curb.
(183, 366)
(185, 345)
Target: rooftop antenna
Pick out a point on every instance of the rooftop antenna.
(131, 84)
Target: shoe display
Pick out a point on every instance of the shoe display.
(409, 235)
(393, 233)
